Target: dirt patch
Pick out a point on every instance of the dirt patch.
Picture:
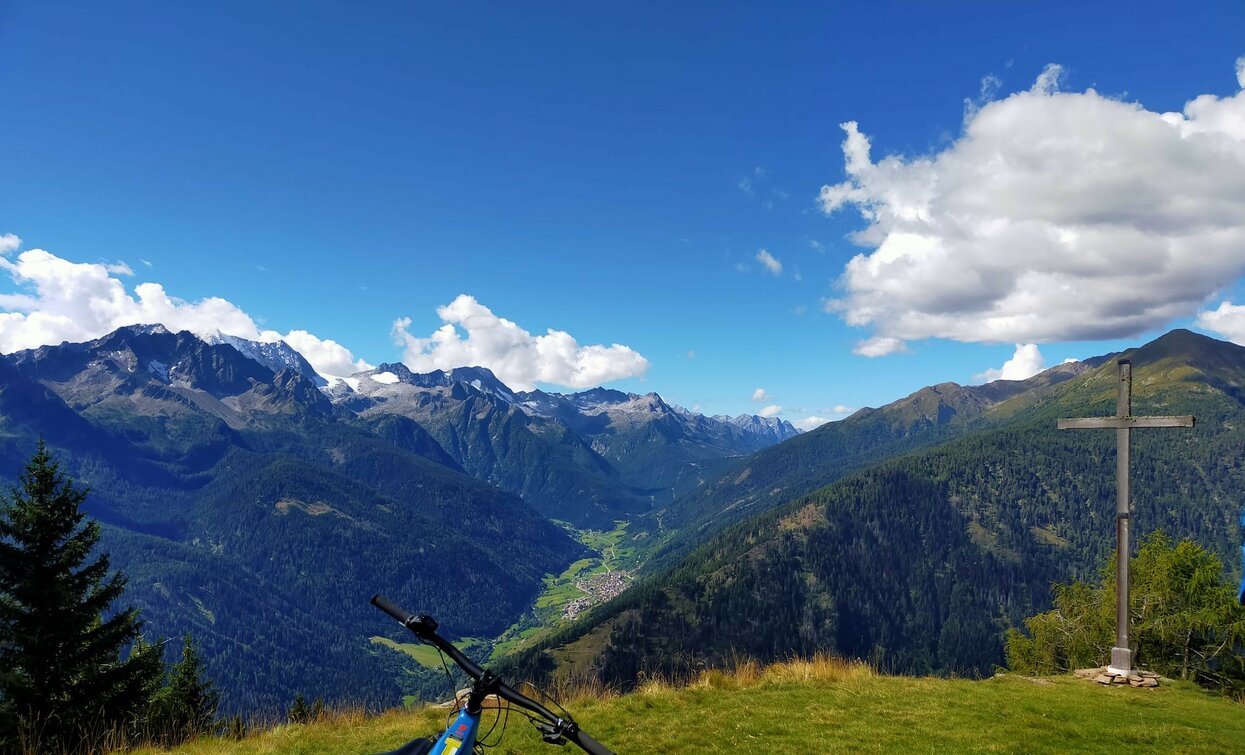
(319, 508)
(802, 519)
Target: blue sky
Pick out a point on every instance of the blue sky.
(612, 172)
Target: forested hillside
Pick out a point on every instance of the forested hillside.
(781, 473)
(922, 562)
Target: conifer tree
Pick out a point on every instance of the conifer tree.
(1185, 621)
(64, 674)
(237, 729)
(186, 706)
(299, 712)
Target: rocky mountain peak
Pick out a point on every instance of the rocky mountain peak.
(276, 356)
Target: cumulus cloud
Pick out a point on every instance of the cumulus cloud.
(809, 423)
(327, 356)
(77, 301)
(1054, 216)
(770, 262)
(1227, 321)
(759, 394)
(880, 346)
(517, 357)
(773, 410)
(1026, 362)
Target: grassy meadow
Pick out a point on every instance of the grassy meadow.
(821, 706)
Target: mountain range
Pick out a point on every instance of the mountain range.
(257, 505)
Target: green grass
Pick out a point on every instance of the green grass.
(609, 544)
(427, 655)
(791, 709)
(561, 589)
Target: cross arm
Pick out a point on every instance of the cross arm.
(1102, 423)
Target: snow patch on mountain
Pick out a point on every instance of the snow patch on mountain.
(159, 369)
(276, 356)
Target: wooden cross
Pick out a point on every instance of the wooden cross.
(1123, 423)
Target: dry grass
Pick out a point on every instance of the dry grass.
(746, 673)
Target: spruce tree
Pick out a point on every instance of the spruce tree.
(237, 729)
(65, 675)
(299, 712)
(186, 706)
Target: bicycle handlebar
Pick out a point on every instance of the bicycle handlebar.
(588, 744)
(425, 628)
(381, 602)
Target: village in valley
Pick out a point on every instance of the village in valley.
(598, 588)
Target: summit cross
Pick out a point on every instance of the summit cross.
(1123, 423)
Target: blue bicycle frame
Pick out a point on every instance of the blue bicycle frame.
(460, 738)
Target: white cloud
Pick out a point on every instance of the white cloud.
(816, 245)
(770, 262)
(814, 421)
(1054, 216)
(773, 410)
(880, 346)
(1048, 80)
(1227, 321)
(989, 88)
(327, 356)
(517, 357)
(76, 301)
(1026, 362)
(759, 394)
(9, 242)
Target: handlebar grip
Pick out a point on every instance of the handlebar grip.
(383, 604)
(589, 745)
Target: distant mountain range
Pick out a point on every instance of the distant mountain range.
(258, 505)
(586, 458)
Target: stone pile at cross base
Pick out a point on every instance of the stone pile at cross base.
(1107, 676)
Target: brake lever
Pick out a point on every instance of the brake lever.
(551, 734)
